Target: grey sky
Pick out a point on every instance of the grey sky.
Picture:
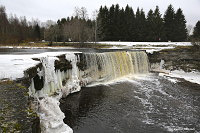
(56, 9)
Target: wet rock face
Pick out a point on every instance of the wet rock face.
(38, 82)
(185, 58)
(82, 65)
(62, 64)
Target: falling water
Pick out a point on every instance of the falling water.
(101, 67)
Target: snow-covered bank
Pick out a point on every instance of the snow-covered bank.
(149, 47)
(148, 43)
(175, 75)
(13, 66)
(193, 76)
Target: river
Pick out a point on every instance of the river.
(150, 104)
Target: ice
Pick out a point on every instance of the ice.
(193, 76)
(51, 117)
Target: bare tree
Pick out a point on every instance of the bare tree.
(190, 29)
(81, 13)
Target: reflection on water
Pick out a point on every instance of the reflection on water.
(148, 105)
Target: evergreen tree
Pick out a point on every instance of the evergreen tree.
(116, 23)
(196, 33)
(180, 26)
(129, 24)
(169, 23)
(111, 23)
(103, 24)
(158, 26)
(122, 28)
(37, 33)
(140, 25)
(150, 26)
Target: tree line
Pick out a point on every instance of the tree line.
(109, 24)
(17, 30)
(117, 23)
(78, 28)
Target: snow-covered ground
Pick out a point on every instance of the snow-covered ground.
(148, 43)
(193, 76)
(150, 47)
(13, 66)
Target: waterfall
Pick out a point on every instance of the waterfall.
(101, 67)
(58, 79)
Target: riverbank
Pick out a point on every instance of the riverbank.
(58, 44)
(186, 58)
(16, 114)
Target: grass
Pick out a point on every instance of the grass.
(60, 44)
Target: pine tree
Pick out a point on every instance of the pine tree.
(196, 33)
(169, 23)
(180, 26)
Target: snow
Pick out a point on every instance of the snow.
(193, 76)
(13, 66)
(148, 43)
(149, 47)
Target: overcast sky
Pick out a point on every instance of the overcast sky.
(56, 9)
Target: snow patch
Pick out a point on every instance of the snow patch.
(193, 76)
(13, 66)
(148, 43)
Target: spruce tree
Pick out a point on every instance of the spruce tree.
(196, 33)
(111, 23)
(116, 23)
(140, 25)
(37, 33)
(129, 22)
(169, 23)
(180, 26)
(159, 33)
(150, 26)
(103, 24)
(122, 26)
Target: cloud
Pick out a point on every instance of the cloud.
(56, 9)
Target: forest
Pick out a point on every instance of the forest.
(113, 23)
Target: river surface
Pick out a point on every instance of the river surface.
(20, 51)
(150, 104)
